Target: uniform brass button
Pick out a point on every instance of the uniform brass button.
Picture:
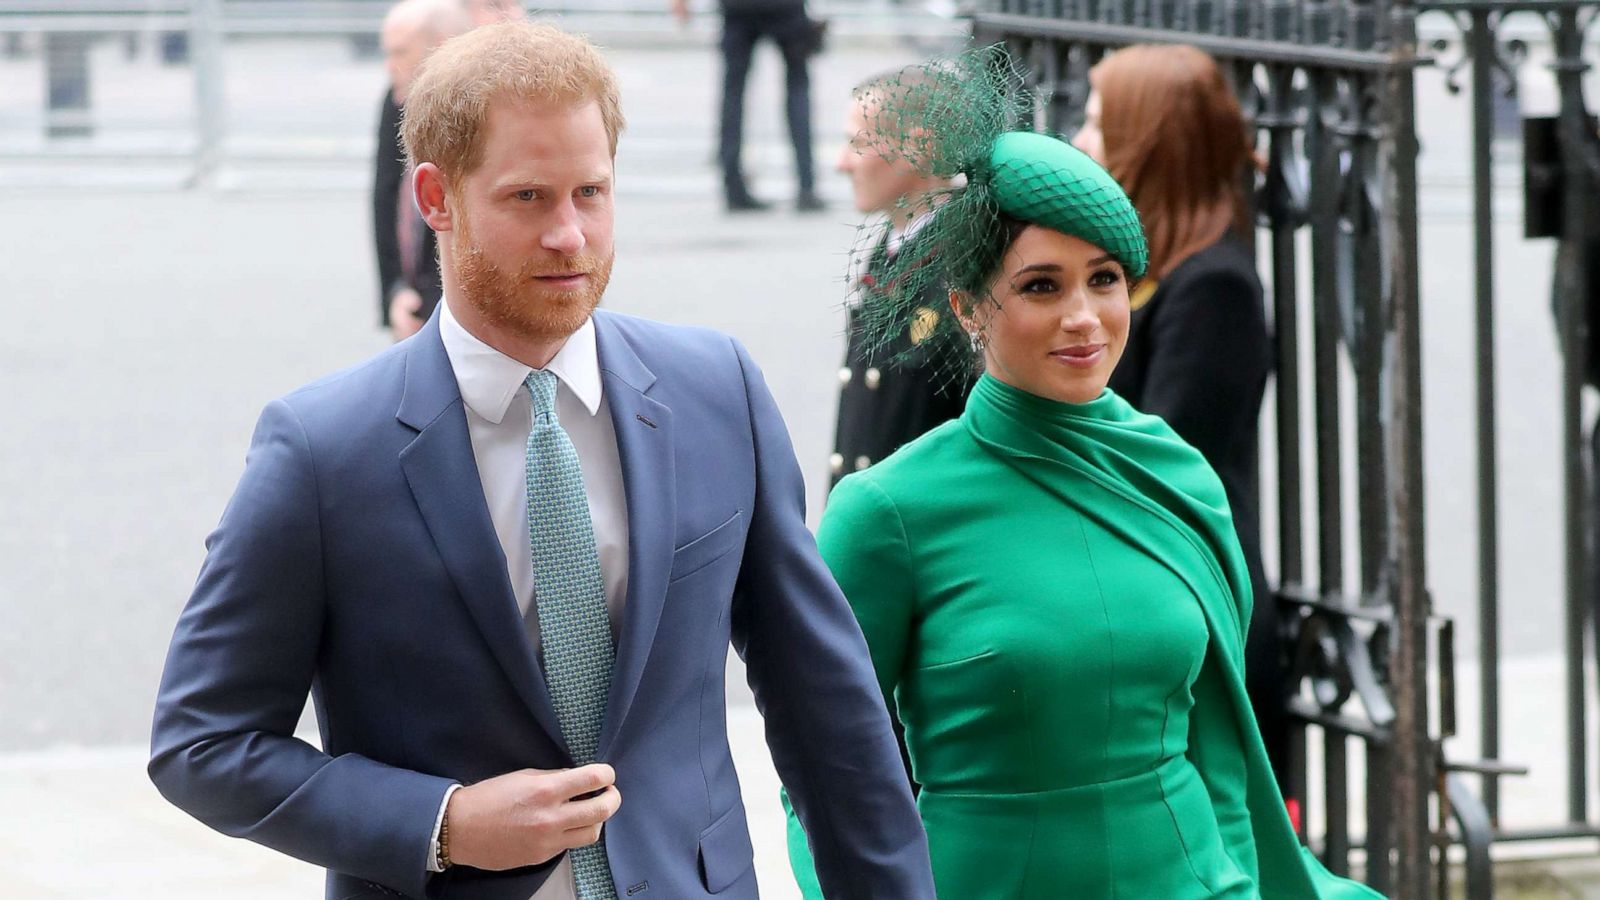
(845, 374)
(836, 463)
(873, 377)
(862, 462)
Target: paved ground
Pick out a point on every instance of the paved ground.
(94, 829)
(148, 325)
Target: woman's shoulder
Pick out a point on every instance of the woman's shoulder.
(1213, 285)
(929, 455)
(915, 471)
(1224, 262)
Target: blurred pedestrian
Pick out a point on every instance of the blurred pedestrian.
(797, 37)
(408, 265)
(408, 271)
(1165, 122)
(507, 557)
(890, 395)
(408, 275)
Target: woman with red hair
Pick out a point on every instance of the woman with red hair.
(1165, 122)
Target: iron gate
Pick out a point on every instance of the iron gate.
(1330, 87)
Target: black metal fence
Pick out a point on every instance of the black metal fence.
(1330, 86)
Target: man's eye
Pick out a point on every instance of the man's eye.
(589, 190)
(526, 195)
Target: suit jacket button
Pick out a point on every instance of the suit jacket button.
(836, 463)
(862, 462)
(873, 377)
(845, 374)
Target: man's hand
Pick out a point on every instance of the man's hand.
(680, 9)
(528, 817)
(404, 307)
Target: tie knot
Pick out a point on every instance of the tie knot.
(542, 386)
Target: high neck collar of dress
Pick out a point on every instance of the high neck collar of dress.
(1015, 402)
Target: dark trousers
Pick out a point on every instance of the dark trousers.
(740, 32)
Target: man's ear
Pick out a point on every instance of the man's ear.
(430, 189)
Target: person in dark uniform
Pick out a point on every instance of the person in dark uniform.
(889, 396)
(408, 268)
(1166, 124)
(744, 23)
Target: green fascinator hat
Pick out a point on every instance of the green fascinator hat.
(1046, 181)
(965, 118)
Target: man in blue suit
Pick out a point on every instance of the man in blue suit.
(507, 556)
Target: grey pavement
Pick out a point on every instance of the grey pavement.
(87, 826)
(148, 325)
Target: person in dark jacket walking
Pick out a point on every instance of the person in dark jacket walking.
(744, 24)
(1166, 124)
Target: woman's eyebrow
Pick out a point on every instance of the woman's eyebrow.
(1056, 267)
(1040, 267)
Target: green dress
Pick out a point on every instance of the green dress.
(1053, 596)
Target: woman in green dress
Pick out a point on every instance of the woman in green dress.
(1051, 586)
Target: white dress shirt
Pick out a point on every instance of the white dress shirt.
(499, 417)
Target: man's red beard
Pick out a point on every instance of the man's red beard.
(518, 303)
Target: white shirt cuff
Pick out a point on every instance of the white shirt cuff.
(438, 823)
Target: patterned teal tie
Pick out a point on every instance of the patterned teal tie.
(574, 626)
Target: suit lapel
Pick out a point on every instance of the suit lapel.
(645, 449)
(443, 475)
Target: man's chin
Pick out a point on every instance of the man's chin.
(550, 315)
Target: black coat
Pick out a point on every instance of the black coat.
(1198, 356)
(389, 169)
(893, 397)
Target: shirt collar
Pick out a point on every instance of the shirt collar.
(897, 238)
(489, 380)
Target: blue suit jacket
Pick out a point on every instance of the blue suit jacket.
(357, 560)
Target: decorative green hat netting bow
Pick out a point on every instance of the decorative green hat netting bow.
(965, 118)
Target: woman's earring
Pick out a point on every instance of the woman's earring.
(977, 341)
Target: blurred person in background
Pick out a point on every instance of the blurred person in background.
(1165, 122)
(744, 24)
(408, 268)
(890, 395)
(507, 557)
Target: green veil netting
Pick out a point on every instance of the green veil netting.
(965, 118)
